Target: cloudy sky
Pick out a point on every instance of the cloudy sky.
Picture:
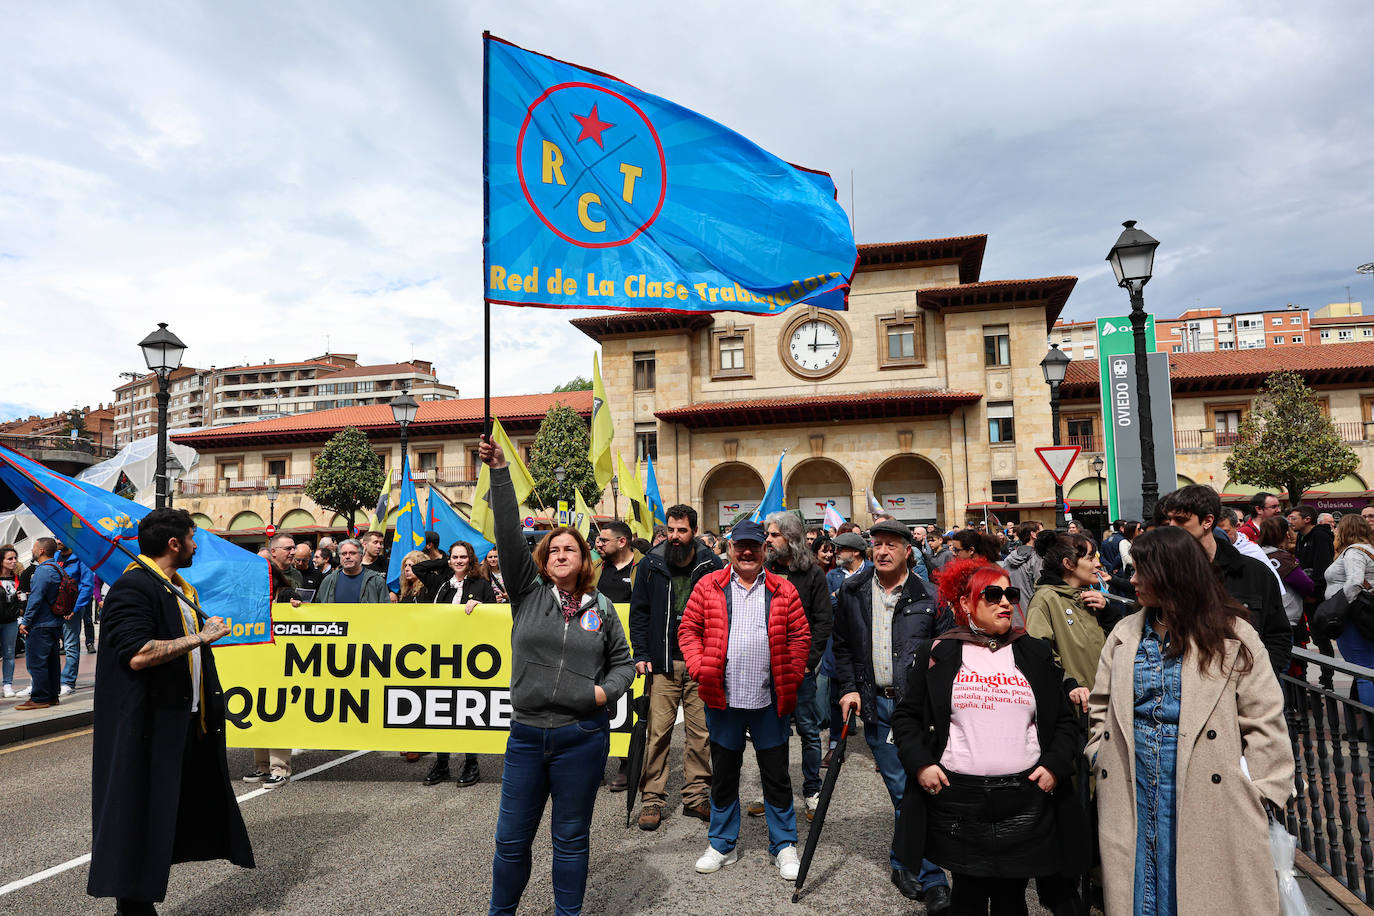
(275, 178)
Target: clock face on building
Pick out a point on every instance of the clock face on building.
(814, 345)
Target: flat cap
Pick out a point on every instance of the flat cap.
(850, 541)
(748, 531)
(888, 526)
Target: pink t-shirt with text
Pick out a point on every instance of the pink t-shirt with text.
(992, 722)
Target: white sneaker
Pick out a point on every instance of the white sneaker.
(9, 690)
(788, 863)
(813, 802)
(711, 860)
(64, 690)
(25, 692)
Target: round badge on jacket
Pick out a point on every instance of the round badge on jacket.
(591, 620)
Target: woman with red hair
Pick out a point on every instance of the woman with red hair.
(986, 730)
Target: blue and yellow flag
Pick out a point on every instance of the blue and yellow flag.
(773, 499)
(410, 528)
(451, 527)
(102, 530)
(652, 496)
(600, 195)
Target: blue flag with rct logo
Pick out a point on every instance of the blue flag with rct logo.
(600, 195)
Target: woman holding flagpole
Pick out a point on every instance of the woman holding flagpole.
(570, 661)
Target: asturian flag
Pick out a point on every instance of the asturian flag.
(410, 528)
(600, 195)
(773, 500)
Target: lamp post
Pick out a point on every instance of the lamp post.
(1133, 260)
(404, 409)
(272, 490)
(559, 475)
(1097, 465)
(1055, 366)
(615, 496)
(162, 351)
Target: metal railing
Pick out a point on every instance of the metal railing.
(25, 444)
(454, 475)
(1331, 734)
(1187, 438)
(1091, 443)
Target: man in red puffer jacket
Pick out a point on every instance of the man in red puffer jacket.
(744, 640)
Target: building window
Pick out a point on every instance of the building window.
(1226, 423)
(1297, 338)
(428, 461)
(1345, 335)
(1326, 335)
(996, 346)
(1276, 321)
(276, 467)
(901, 340)
(474, 464)
(1080, 433)
(646, 441)
(732, 353)
(1089, 353)
(644, 370)
(1001, 425)
(1296, 319)
(1367, 332)
(1005, 491)
(1278, 339)
(1178, 348)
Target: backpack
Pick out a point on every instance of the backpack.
(65, 602)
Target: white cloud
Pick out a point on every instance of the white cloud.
(270, 176)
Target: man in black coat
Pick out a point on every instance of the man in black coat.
(160, 789)
(664, 580)
(1195, 509)
(1316, 551)
(893, 606)
(788, 555)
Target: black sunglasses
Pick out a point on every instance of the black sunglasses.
(993, 594)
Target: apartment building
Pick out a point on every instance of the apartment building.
(135, 406)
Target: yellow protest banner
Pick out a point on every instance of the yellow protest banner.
(385, 677)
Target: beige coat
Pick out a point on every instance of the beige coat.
(1222, 845)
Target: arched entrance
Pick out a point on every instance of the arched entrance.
(728, 490)
(246, 520)
(202, 520)
(297, 518)
(911, 489)
(816, 482)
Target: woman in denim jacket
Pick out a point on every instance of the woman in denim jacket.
(1183, 692)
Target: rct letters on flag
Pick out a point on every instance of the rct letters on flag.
(600, 195)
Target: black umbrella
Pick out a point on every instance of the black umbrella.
(813, 835)
(1084, 779)
(638, 736)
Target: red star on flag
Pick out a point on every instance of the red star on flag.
(592, 126)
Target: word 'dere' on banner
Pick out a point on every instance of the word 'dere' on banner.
(600, 195)
(415, 678)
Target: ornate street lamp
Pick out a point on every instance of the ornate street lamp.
(615, 496)
(272, 491)
(1133, 261)
(1097, 464)
(1055, 366)
(404, 409)
(162, 352)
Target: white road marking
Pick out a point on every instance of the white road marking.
(47, 873)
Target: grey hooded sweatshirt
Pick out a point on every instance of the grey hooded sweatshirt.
(555, 664)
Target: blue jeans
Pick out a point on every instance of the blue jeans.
(43, 655)
(9, 638)
(769, 732)
(1358, 651)
(565, 764)
(876, 732)
(1158, 705)
(71, 647)
(813, 696)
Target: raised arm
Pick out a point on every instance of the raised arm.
(517, 566)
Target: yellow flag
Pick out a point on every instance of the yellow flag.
(602, 430)
(482, 518)
(582, 516)
(633, 490)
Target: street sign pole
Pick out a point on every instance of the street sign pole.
(1058, 460)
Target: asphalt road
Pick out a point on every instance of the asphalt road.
(364, 837)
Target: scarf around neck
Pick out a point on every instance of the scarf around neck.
(965, 633)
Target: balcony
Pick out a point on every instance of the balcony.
(1090, 443)
(1186, 439)
(454, 475)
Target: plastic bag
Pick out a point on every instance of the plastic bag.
(1282, 845)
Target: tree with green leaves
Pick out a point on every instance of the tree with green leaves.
(563, 441)
(1288, 442)
(75, 422)
(581, 383)
(348, 475)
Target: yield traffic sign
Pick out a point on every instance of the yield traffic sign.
(1057, 459)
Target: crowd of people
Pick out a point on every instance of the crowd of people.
(986, 665)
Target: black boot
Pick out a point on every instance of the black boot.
(134, 908)
(437, 774)
(470, 774)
